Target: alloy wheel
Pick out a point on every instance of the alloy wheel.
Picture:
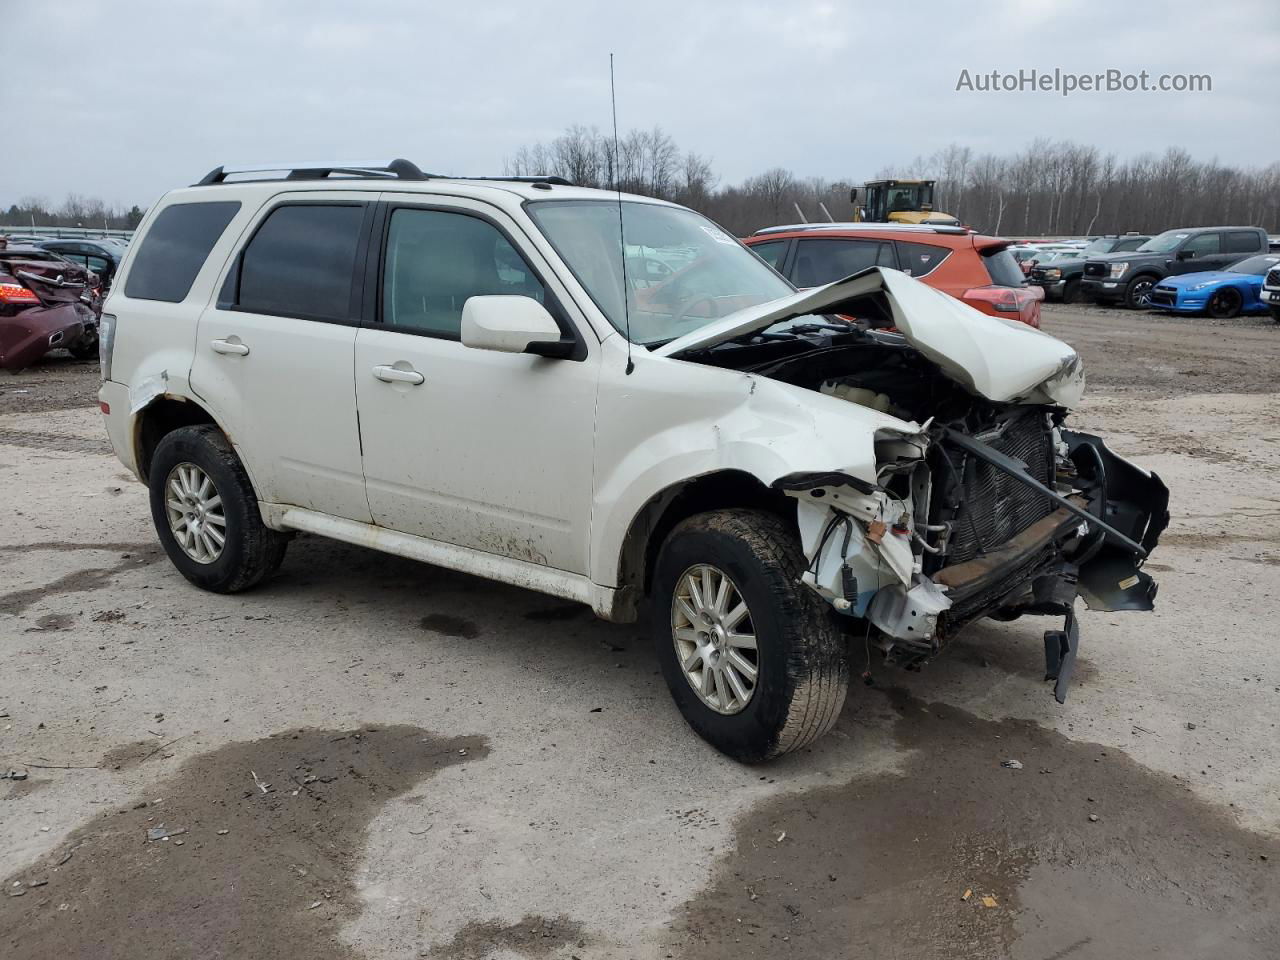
(195, 513)
(714, 638)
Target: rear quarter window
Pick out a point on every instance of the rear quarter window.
(921, 259)
(175, 247)
(1002, 267)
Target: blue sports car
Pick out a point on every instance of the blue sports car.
(1219, 293)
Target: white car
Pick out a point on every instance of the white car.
(462, 371)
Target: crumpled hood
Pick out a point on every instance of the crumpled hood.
(1002, 360)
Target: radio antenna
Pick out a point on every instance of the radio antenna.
(622, 240)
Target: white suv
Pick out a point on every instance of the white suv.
(607, 398)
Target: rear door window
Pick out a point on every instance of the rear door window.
(921, 259)
(1002, 267)
(818, 262)
(174, 249)
(301, 262)
(771, 252)
(1242, 241)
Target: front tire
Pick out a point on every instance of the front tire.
(748, 563)
(206, 513)
(1275, 313)
(1137, 295)
(1071, 291)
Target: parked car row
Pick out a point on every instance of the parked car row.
(1219, 271)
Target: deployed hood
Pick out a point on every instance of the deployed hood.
(1002, 360)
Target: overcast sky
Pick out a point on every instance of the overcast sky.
(126, 99)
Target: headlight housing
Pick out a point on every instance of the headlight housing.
(1201, 286)
(1053, 273)
(1118, 270)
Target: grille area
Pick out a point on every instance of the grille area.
(1093, 269)
(1165, 295)
(995, 507)
(1273, 277)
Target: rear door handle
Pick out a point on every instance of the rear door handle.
(231, 346)
(390, 374)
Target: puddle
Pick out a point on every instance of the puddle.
(278, 881)
(450, 626)
(879, 867)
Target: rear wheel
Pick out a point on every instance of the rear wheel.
(1137, 295)
(206, 513)
(752, 656)
(1225, 303)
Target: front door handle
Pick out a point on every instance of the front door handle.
(231, 346)
(390, 374)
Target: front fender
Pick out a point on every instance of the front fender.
(673, 421)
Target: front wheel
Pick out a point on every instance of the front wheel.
(1071, 291)
(1275, 313)
(206, 513)
(752, 656)
(1137, 295)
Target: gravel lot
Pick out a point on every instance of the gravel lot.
(377, 759)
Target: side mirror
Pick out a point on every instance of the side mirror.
(512, 325)
(853, 195)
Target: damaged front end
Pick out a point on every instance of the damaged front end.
(983, 503)
(1020, 517)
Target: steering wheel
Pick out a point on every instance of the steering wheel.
(656, 269)
(688, 308)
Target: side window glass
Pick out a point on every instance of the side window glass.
(1242, 241)
(887, 257)
(1204, 244)
(301, 261)
(771, 252)
(825, 261)
(436, 260)
(1124, 245)
(921, 259)
(174, 249)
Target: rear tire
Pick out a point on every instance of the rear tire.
(1225, 304)
(236, 550)
(802, 672)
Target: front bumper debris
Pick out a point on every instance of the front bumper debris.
(867, 550)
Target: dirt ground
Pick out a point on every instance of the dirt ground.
(409, 762)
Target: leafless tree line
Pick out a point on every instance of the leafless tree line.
(1049, 188)
(75, 211)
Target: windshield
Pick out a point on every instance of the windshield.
(682, 271)
(1255, 265)
(1163, 243)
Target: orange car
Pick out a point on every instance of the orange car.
(976, 269)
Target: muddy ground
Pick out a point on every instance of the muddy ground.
(409, 762)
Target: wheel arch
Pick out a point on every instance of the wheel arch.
(163, 415)
(660, 514)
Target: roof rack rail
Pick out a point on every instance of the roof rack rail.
(550, 181)
(320, 170)
(866, 225)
